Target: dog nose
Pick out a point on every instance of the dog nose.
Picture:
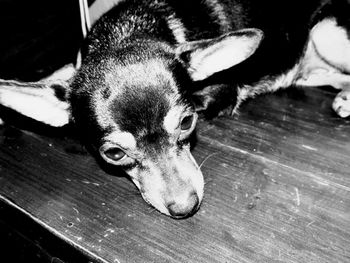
(184, 205)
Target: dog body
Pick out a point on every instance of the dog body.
(148, 66)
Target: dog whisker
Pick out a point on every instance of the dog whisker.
(132, 194)
(206, 159)
(151, 210)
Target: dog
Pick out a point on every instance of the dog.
(149, 66)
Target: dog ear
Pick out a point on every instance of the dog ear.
(205, 57)
(44, 101)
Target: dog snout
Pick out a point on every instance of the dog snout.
(184, 205)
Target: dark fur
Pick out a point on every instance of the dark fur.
(122, 32)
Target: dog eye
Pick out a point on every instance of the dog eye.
(187, 126)
(186, 123)
(115, 154)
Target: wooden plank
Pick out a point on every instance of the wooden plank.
(259, 206)
(299, 131)
(24, 240)
(273, 206)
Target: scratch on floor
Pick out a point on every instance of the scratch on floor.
(87, 182)
(309, 147)
(309, 224)
(78, 238)
(298, 196)
(110, 230)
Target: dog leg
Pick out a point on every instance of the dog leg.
(327, 62)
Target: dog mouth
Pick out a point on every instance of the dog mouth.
(174, 188)
(179, 207)
(186, 208)
(175, 208)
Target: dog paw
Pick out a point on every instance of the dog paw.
(341, 103)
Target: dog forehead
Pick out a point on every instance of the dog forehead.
(121, 77)
(130, 84)
(141, 96)
(140, 111)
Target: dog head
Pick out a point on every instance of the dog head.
(133, 103)
(137, 108)
(137, 117)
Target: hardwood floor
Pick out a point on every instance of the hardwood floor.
(277, 189)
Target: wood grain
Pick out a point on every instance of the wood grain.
(277, 190)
